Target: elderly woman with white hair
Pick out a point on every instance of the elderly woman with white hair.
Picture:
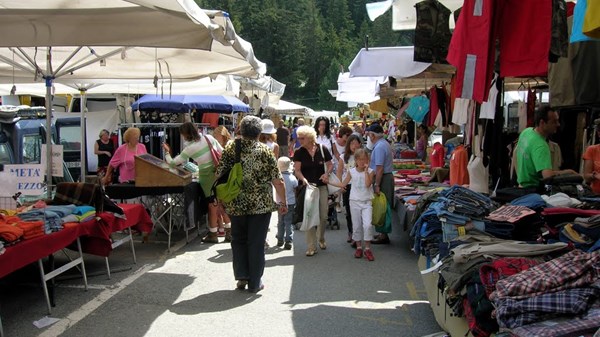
(251, 210)
(124, 157)
(312, 165)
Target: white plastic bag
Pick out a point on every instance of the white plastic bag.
(311, 208)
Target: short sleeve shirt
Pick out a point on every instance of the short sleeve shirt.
(259, 168)
(312, 168)
(533, 156)
(382, 156)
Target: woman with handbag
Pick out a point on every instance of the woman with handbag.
(200, 149)
(251, 209)
(313, 165)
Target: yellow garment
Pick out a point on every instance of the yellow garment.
(591, 20)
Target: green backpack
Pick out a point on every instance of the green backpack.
(227, 186)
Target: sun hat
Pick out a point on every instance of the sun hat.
(268, 127)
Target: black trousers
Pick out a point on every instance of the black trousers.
(346, 199)
(248, 235)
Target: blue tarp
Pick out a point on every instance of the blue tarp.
(185, 103)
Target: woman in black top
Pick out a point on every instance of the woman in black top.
(312, 167)
(104, 149)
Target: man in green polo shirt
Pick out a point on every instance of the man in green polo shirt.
(533, 153)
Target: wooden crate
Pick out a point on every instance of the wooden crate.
(151, 171)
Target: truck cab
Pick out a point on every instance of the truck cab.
(21, 141)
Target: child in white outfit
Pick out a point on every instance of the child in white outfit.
(361, 208)
(285, 228)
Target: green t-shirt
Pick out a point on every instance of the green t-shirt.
(533, 156)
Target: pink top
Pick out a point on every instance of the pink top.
(123, 159)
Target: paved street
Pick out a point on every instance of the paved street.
(191, 292)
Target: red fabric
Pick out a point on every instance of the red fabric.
(212, 118)
(98, 242)
(524, 28)
(434, 109)
(459, 175)
(502, 268)
(437, 155)
(95, 238)
(473, 35)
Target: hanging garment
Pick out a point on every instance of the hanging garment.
(559, 41)
(433, 106)
(469, 130)
(524, 54)
(461, 111)
(560, 76)
(449, 103)
(522, 113)
(591, 20)
(578, 20)
(432, 32)
(479, 176)
(459, 175)
(488, 108)
(556, 155)
(586, 71)
(472, 49)
(418, 108)
(531, 98)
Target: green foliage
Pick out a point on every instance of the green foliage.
(305, 43)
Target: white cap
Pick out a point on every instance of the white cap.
(268, 127)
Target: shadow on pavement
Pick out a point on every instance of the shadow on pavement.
(216, 301)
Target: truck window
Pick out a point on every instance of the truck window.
(32, 149)
(70, 138)
(4, 153)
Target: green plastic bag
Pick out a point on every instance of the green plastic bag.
(379, 209)
(387, 226)
(226, 190)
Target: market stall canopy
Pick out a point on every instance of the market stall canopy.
(221, 85)
(287, 108)
(185, 103)
(386, 61)
(118, 39)
(358, 89)
(404, 15)
(325, 113)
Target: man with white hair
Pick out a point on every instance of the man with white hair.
(381, 163)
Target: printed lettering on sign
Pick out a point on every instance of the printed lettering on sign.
(27, 179)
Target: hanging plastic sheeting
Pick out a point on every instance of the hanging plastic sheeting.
(404, 15)
(386, 61)
(358, 89)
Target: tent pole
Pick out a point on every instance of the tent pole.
(83, 158)
(49, 80)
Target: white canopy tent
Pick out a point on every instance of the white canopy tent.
(358, 89)
(117, 39)
(288, 108)
(325, 113)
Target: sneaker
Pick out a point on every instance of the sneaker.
(358, 253)
(369, 255)
(279, 243)
(255, 290)
(227, 234)
(221, 232)
(288, 245)
(241, 284)
(211, 237)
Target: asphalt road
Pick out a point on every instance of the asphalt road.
(190, 291)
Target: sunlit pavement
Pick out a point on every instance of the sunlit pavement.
(191, 292)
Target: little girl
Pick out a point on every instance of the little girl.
(361, 208)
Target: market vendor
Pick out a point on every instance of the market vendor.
(534, 161)
(124, 158)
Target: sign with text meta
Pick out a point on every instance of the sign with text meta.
(27, 179)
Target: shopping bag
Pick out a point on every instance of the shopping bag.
(387, 224)
(299, 212)
(379, 209)
(331, 189)
(310, 216)
(228, 185)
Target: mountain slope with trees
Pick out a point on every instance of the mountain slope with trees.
(305, 43)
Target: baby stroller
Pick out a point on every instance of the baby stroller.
(332, 218)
